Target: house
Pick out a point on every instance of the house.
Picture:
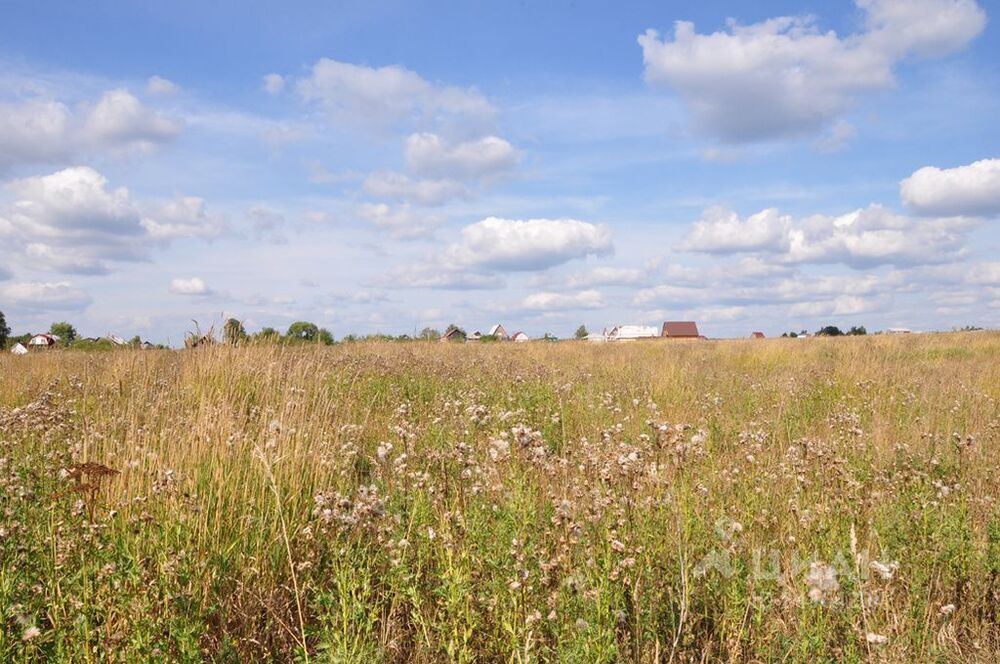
(520, 338)
(680, 329)
(116, 340)
(595, 338)
(475, 336)
(19, 349)
(757, 335)
(631, 332)
(898, 330)
(455, 334)
(43, 340)
(499, 332)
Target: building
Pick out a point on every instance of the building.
(43, 340)
(631, 332)
(520, 338)
(898, 330)
(475, 336)
(680, 329)
(19, 349)
(757, 335)
(454, 334)
(499, 332)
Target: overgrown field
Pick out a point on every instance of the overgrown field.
(779, 500)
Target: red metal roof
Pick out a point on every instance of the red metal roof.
(680, 328)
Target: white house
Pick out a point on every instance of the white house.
(499, 332)
(19, 349)
(44, 340)
(520, 338)
(632, 332)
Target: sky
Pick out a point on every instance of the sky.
(390, 166)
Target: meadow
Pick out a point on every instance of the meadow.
(818, 500)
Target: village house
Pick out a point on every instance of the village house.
(43, 341)
(520, 338)
(499, 332)
(757, 335)
(19, 349)
(630, 332)
(680, 329)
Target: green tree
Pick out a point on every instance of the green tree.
(65, 332)
(233, 332)
(857, 331)
(4, 331)
(324, 336)
(581, 332)
(302, 331)
(429, 334)
(829, 331)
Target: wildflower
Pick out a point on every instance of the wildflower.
(947, 610)
(31, 633)
(877, 639)
(885, 571)
(822, 582)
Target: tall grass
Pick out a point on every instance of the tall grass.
(779, 500)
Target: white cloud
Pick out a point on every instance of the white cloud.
(440, 277)
(534, 244)
(183, 217)
(973, 189)
(863, 238)
(388, 184)
(194, 286)
(72, 221)
(119, 119)
(157, 85)
(48, 131)
(547, 301)
(273, 84)
(430, 155)
(401, 222)
(391, 94)
(785, 77)
(44, 296)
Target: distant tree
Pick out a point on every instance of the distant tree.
(135, 341)
(350, 338)
(581, 332)
(857, 331)
(267, 335)
(829, 331)
(233, 332)
(548, 336)
(4, 331)
(324, 336)
(302, 331)
(429, 334)
(65, 332)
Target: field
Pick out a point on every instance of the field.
(778, 500)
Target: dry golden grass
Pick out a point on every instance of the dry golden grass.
(778, 500)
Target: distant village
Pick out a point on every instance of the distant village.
(64, 335)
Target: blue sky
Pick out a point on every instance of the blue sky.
(388, 166)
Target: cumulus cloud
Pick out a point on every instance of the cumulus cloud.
(430, 155)
(391, 94)
(72, 221)
(44, 296)
(973, 189)
(183, 217)
(157, 85)
(401, 222)
(273, 84)
(547, 301)
(440, 277)
(47, 131)
(533, 244)
(863, 238)
(398, 186)
(194, 286)
(785, 77)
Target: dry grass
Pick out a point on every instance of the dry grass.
(779, 500)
